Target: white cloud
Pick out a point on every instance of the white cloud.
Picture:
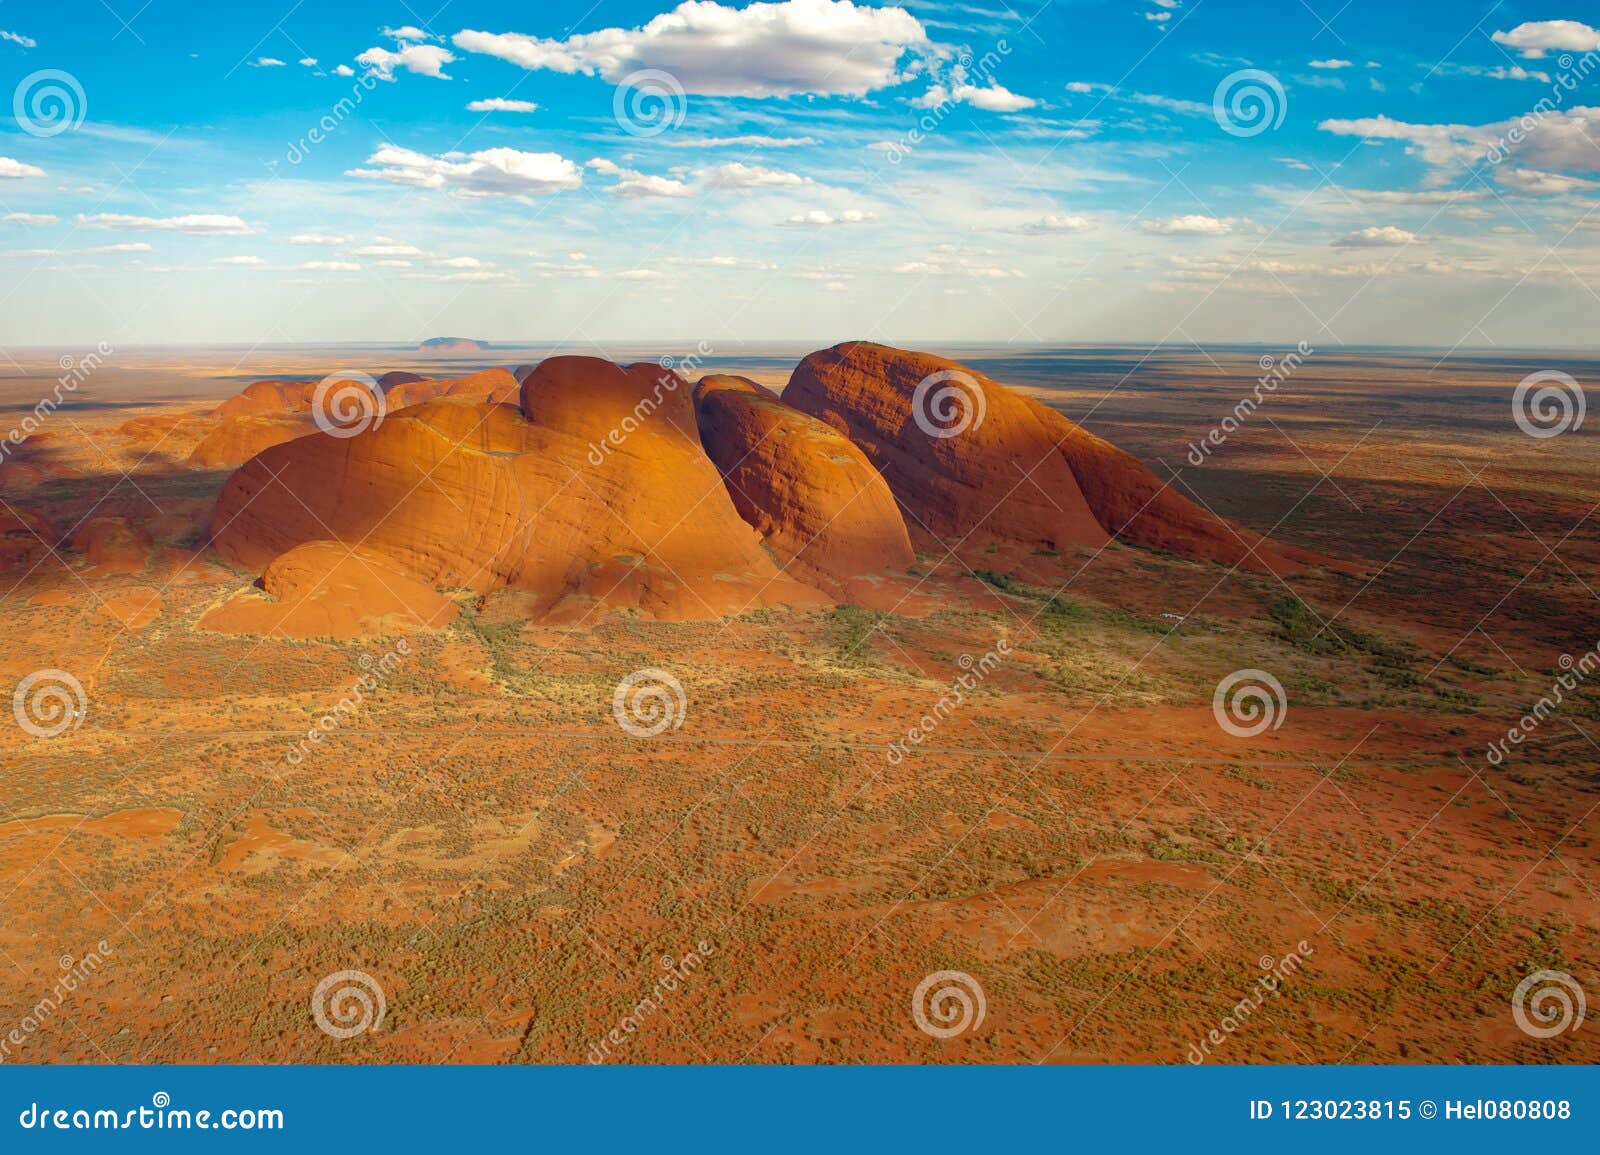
(423, 59)
(501, 104)
(18, 38)
(14, 169)
(491, 172)
(124, 247)
(31, 218)
(195, 224)
(344, 70)
(786, 48)
(240, 260)
(308, 61)
(1536, 37)
(408, 32)
(1377, 237)
(1053, 223)
(268, 62)
(994, 98)
(1558, 141)
(331, 266)
(393, 264)
(738, 175)
(1192, 225)
(747, 141)
(387, 247)
(1517, 72)
(817, 218)
(640, 275)
(1331, 63)
(317, 239)
(459, 262)
(1536, 183)
(636, 185)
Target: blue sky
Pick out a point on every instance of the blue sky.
(810, 170)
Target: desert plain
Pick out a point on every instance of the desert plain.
(1110, 870)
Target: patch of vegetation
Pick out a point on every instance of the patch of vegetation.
(1390, 659)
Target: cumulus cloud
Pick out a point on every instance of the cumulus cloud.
(268, 62)
(1331, 63)
(1053, 223)
(1555, 141)
(14, 169)
(18, 38)
(750, 176)
(491, 172)
(331, 266)
(788, 48)
(317, 239)
(991, 98)
(1377, 237)
(817, 218)
(195, 224)
(423, 59)
(240, 260)
(31, 218)
(387, 247)
(124, 247)
(1536, 37)
(635, 185)
(1192, 225)
(501, 104)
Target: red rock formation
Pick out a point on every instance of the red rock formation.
(269, 397)
(111, 545)
(985, 469)
(496, 386)
(326, 589)
(596, 493)
(821, 508)
(236, 440)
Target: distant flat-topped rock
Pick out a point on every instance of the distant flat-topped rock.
(452, 345)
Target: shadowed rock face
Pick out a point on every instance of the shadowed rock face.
(986, 469)
(466, 494)
(820, 506)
